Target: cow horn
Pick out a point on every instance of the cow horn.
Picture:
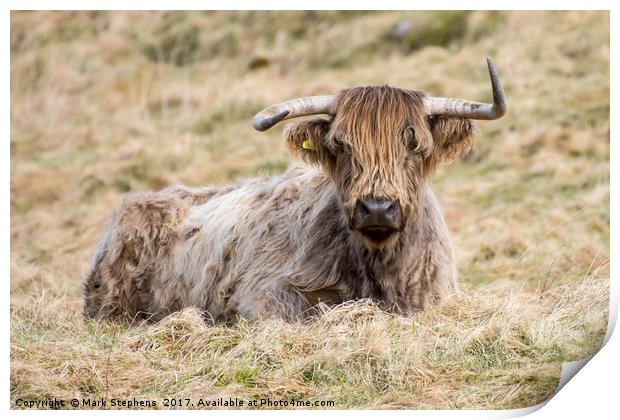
(299, 107)
(470, 109)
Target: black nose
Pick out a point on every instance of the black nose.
(378, 213)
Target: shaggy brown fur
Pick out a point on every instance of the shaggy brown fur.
(277, 246)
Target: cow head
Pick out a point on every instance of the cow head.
(379, 145)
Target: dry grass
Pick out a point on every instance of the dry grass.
(497, 347)
(108, 103)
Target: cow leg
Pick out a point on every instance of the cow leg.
(286, 303)
(139, 238)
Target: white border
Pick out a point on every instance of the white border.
(315, 5)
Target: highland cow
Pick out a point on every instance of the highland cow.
(355, 218)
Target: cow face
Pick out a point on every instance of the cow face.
(379, 148)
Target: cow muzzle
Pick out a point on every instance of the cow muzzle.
(378, 219)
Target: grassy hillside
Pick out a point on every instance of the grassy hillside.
(105, 104)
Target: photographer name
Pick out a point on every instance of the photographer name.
(114, 402)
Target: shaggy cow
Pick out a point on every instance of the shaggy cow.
(357, 219)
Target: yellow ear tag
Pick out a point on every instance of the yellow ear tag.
(307, 144)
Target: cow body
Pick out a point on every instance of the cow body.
(265, 247)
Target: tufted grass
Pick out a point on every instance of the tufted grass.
(105, 104)
(496, 347)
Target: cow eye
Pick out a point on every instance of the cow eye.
(337, 144)
(412, 142)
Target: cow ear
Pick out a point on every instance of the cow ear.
(306, 140)
(452, 137)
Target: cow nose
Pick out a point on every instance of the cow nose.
(378, 213)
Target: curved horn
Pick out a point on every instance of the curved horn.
(308, 105)
(471, 109)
